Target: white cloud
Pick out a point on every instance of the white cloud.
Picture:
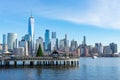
(102, 13)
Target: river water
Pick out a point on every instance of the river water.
(89, 69)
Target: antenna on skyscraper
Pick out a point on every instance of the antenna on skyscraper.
(31, 13)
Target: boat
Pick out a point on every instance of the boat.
(94, 57)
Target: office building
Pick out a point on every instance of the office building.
(11, 41)
(4, 45)
(39, 41)
(47, 40)
(53, 44)
(107, 50)
(113, 47)
(19, 51)
(27, 38)
(4, 39)
(73, 46)
(24, 44)
(31, 31)
(99, 48)
(84, 40)
(53, 34)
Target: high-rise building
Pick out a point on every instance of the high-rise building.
(73, 46)
(19, 51)
(99, 48)
(24, 44)
(84, 40)
(47, 40)
(31, 30)
(39, 41)
(53, 44)
(113, 47)
(27, 38)
(61, 45)
(53, 34)
(4, 46)
(57, 43)
(4, 39)
(12, 41)
(107, 50)
(66, 41)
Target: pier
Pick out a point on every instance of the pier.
(38, 61)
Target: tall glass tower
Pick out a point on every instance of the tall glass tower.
(4, 39)
(53, 34)
(12, 41)
(31, 30)
(47, 40)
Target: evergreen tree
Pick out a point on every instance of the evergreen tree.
(39, 52)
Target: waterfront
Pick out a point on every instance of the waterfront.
(89, 69)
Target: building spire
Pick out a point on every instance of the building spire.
(31, 13)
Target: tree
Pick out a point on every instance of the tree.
(39, 52)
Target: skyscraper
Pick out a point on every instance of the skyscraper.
(39, 41)
(54, 42)
(27, 38)
(4, 46)
(24, 44)
(47, 40)
(31, 30)
(12, 41)
(66, 42)
(4, 39)
(113, 47)
(84, 40)
(53, 34)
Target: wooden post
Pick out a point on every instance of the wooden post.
(15, 63)
(23, 63)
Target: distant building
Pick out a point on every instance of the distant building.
(73, 46)
(12, 41)
(84, 51)
(19, 51)
(113, 47)
(27, 38)
(1, 47)
(24, 44)
(31, 32)
(61, 45)
(99, 48)
(66, 42)
(4, 39)
(107, 50)
(53, 44)
(84, 40)
(53, 34)
(90, 48)
(47, 40)
(39, 41)
(4, 46)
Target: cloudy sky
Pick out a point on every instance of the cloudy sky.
(98, 20)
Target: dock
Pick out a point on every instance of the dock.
(38, 61)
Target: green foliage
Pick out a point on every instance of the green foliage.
(39, 52)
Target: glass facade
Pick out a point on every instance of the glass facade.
(12, 41)
(53, 34)
(47, 40)
(31, 30)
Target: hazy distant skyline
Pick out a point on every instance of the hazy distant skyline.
(98, 20)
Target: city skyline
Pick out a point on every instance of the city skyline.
(47, 16)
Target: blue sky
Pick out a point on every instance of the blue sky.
(98, 20)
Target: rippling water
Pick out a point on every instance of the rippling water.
(89, 69)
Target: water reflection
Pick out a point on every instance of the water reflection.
(89, 69)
